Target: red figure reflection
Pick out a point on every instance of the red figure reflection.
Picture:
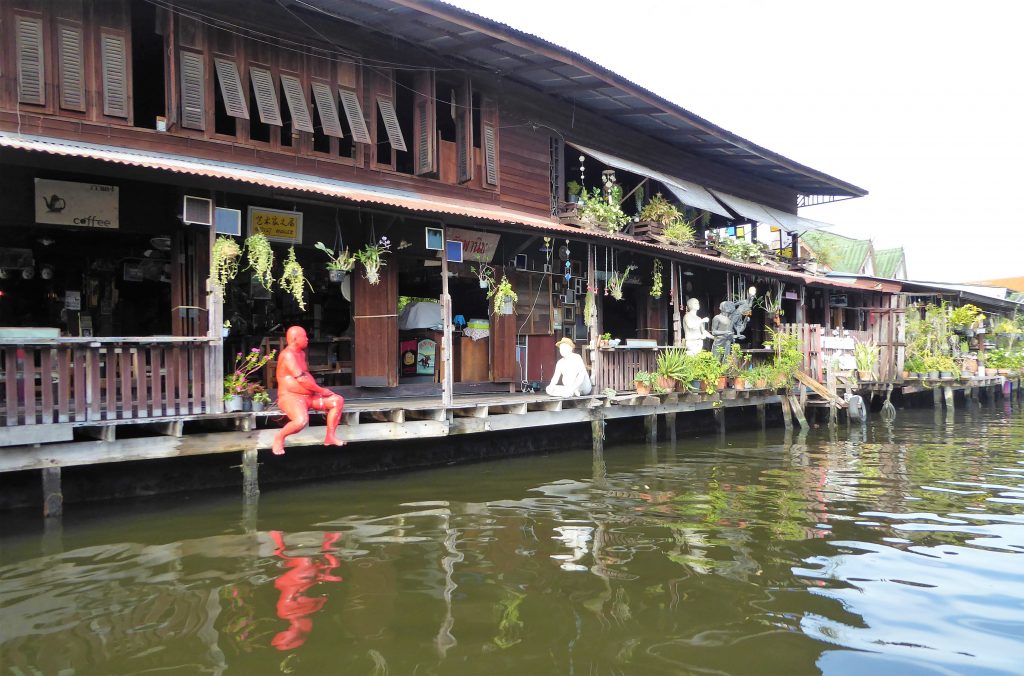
(303, 573)
(297, 392)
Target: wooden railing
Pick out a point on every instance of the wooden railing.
(617, 367)
(809, 337)
(75, 380)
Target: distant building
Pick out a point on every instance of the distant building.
(839, 253)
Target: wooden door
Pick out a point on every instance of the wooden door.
(503, 349)
(190, 259)
(376, 319)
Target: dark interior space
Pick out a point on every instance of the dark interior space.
(147, 67)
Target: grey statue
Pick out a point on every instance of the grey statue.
(740, 315)
(722, 330)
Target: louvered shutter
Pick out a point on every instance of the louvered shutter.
(387, 112)
(31, 70)
(72, 70)
(266, 97)
(327, 109)
(193, 98)
(231, 88)
(115, 75)
(297, 103)
(464, 133)
(354, 113)
(490, 156)
(424, 127)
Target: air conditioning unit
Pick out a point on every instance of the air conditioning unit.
(227, 221)
(198, 210)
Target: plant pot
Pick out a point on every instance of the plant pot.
(965, 374)
(981, 371)
(258, 406)
(224, 333)
(506, 307)
(945, 375)
(864, 376)
(761, 383)
(232, 404)
(483, 284)
(574, 199)
(906, 374)
(336, 275)
(722, 383)
(246, 404)
(665, 383)
(739, 383)
(602, 343)
(933, 375)
(643, 389)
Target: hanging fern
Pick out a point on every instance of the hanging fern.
(656, 282)
(293, 279)
(224, 265)
(261, 258)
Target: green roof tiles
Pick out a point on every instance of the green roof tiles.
(845, 253)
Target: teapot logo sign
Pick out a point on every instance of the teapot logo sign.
(54, 203)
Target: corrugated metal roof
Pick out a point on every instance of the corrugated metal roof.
(847, 254)
(355, 192)
(758, 212)
(887, 261)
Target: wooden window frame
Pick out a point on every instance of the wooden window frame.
(76, 26)
(43, 66)
(104, 108)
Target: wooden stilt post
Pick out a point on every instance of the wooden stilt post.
(447, 384)
(250, 475)
(948, 391)
(720, 419)
(670, 426)
(53, 498)
(798, 412)
(597, 433)
(937, 397)
(787, 419)
(761, 417)
(651, 428)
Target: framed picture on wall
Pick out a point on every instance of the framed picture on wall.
(569, 331)
(569, 297)
(578, 282)
(521, 261)
(577, 269)
(569, 314)
(453, 251)
(435, 239)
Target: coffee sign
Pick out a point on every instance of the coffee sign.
(87, 205)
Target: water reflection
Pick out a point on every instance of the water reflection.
(883, 546)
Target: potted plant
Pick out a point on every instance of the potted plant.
(644, 382)
(234, 387)
(616, 281)
(293, 279)
(236, 383)
(963, 318)
(260, 397)
(759, 376)
(573, 188)
(604, 339)
(735, 365)
(225, 329)
(705, 369)
(337, 265)
(504, 297)
(484, 273)
(603, 212)
(260, 258)
(224, 261)
(673, 367)
(372, 258)
(866, 356)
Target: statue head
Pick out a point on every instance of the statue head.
(296, 337)
(692, 305)
(726, 307)
(565, 347)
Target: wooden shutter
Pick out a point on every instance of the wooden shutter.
(231, 89)
(296, 97)
(327, 109)
(387, 111)
(464, 133)
(503, 348)
(193, 94)
(354, 113)
(115, 75)
(376, 327)
(70, 57)
(424, 126)
(489, 138)
(266, 96)
(31, 64)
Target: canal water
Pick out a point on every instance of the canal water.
(887, 549)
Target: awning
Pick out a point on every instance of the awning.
(757, 212)
(805, 224)
(690, 194)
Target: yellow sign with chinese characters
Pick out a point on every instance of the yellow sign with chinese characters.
(276, 224)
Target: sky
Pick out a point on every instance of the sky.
(919, 102)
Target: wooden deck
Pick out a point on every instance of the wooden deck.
(364, 420)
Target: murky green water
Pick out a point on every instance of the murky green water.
(895, 550)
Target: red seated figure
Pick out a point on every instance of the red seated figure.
(303, 573)
(297, 392)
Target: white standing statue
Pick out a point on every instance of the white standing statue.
(570, 378)
(693, 327)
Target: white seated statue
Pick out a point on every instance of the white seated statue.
(693, 327)
(570, 378)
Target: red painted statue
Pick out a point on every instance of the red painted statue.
(303, 573)
(297, 392)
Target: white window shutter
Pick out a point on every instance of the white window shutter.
(193, 96)
(115, 75)
(70, 58)
(266, 96)
(296, 97)
(354, 113)
(327, 109)
(387, 111)
(231, 89)
(490, 156)
(31, 64)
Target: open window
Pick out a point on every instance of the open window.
(147, 73)
(229, 97)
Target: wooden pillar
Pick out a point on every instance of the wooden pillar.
(250, 475)
(720, 419)
(762, 419)
(787, 419)
(937, 397)
(213, 385)
(948, 392)
(597, 433)
(798, 411)
(670, 426)
(53, 498)
(448, 364)
(651, 428)
(676, 293)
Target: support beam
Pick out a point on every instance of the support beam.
(787, 418)
(250, 475)
(720, 419)
(597, 433)
(53, 498)
(670, 426)
(798, 412)
(762, 418)
(948, 392)
(651, 428)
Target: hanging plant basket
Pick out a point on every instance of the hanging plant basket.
(336, 275)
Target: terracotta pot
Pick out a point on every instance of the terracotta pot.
(761, 383)
(864, 376)
(906, 374)
(739, 383)
(667, 384)
(643, 389)
(723, 382)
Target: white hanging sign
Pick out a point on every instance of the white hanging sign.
(475, 245)
(88, 205)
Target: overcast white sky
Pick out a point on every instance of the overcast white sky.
(919, 102)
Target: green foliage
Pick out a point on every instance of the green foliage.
(224, 263)
(788, 358)
(293, 279)
(866, 355)
(735, 362)
(706, 368)
(964, 316)
(483, 272)
(741, 250)
(826, 254)
(656, 281)
(405, 301)
(501, 292)
(260, 258)
(616, 282)
(940, 362)
(343, 261)
(590, 309)
(1000, 358)
(246, 363)
(372, 258)
(674, 363)
(646, 378)
(603, 212)
(573, 187)
(915, 363)
(677, 229)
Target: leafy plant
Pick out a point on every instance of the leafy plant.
(236, 383)
(706, 368)
(343, 261)
(483, 272)
(866, 355)
(573, 187)
(224, 262)
(590, 309)
(760, 375)
(964, 316)
(735, 362)
(260, 258)
(617, 281)
(503, 292)
(787, 358)
(915, 363)
(741, 250)
(675, 226)
(656, 281)
(603, 212)
(646, 378)
(606, 336)
(261, 397)
(372, 258)
(674, 363)
(293, 279)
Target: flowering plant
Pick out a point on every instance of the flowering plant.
(371, 256)
(237, 383)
